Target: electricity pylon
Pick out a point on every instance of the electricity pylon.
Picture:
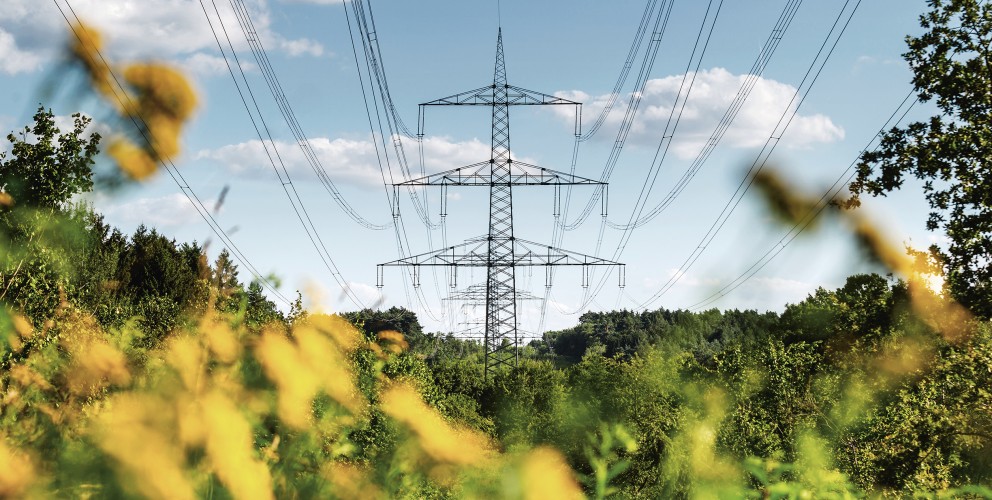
(500, 252)
(475, 296)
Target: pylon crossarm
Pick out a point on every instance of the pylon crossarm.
(476, 294)
(482, 96)
(486, 96)
(545, 255)
(470, 253)
(521, 174)
(475, 253)
(517, 96)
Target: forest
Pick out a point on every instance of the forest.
(131, 365)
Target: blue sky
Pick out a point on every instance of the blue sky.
(431, 49)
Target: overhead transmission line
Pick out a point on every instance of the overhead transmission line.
(282, 173)
(373, 56)
(750, 81)
(642, 29)
(635, 46)
(384, 170)
(785, 119)
(377, 81)
(812, 74)
(170, 167)
(286, 109)
(830, 194)
(757, 68)
(671, 126)
(650, 54)
(695, 61)
(365, 20)
(842, 181)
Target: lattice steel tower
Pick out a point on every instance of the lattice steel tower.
(500, 252)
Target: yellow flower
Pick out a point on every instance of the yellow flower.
(330, 367)
(229, 446)
(301, 369)
(16, 472)
(222, 341)
(134, 161)
(95, 365)
(350, 481)
(186, 355)
(162, 91)
(395, 341)
(437, 438)
(943, 314)
(344, 334)
(545, 474)
(27, 377)
(22, 326)
(297, 383)
(85, 47)
(138, 432)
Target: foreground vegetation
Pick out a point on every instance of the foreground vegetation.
(130, 365)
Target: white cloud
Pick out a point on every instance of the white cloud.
(684, 278)
(331, 298)
(345, 160)
(13, 60)
(712, 93)
(315, 2)
(166, 211)
(302, 46)
(204, 64)
(176, 30)
(781, 285)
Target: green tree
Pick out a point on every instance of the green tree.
(950, 152)
(46, 167)
(224, 279)
(260, 311)
(40, 232)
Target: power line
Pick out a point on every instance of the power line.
(285, 179)
(170, 167)
(286, 109)
(783, 123)
(658, 29)
(650, 55)
(750, 81)
(843, 180)
(365, 20)
(670, 126)
(831, 193)
(373, 57)
(624, 72)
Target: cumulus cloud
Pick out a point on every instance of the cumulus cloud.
(168, 29)
(13, 60)
(713, 92)
(166, 211)
(345, 160)
(329, 298)
(302, 46)
(316, 2)
(204, 64)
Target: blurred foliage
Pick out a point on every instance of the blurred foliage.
(130, 366)
(949, 152)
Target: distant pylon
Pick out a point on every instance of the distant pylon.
(500, 252)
